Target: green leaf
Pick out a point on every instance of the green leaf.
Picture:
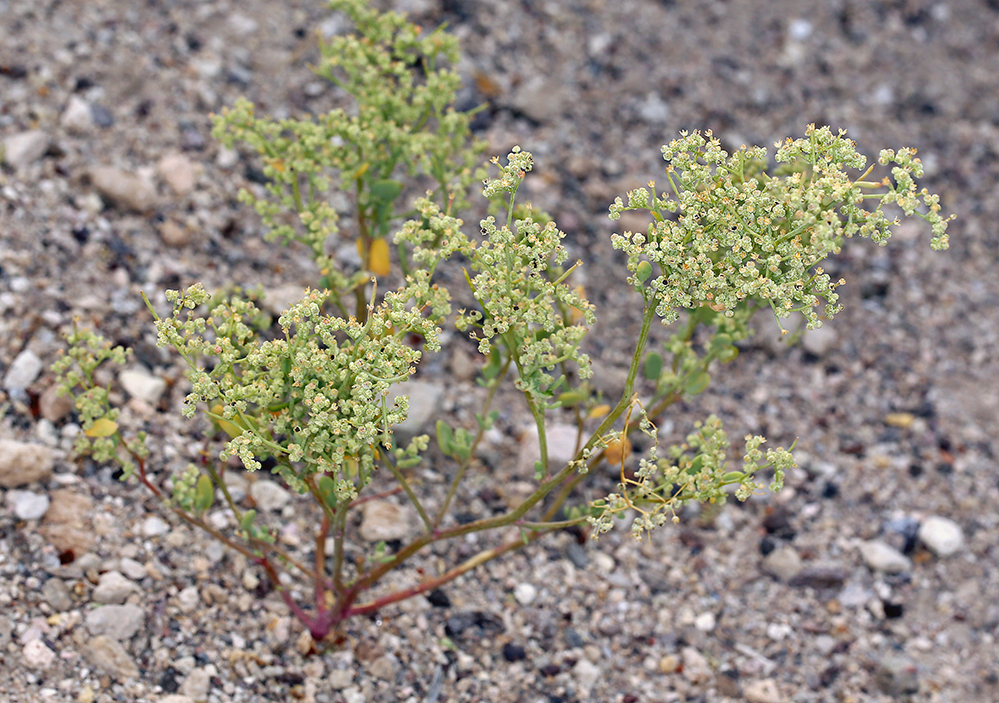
(386, 190)
(643, 271)
(204, 494)
(246, 522)
(697, 383)
(653, 366)
(445, 437)
(327, 489)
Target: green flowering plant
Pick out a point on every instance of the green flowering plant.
(401, 123)
(314, 398)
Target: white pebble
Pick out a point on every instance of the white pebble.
(155, 526)
(525, 593)
(28, 505)
(941, 535)
(37, 655)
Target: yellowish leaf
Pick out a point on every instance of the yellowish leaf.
(102, 427)
(379, 262)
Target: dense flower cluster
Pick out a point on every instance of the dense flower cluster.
(731, 233)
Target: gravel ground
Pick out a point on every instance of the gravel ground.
(871, 577)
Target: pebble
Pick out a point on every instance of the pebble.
(762, 691)
(114, 588)
(879, 556)
(197, 683)
(585, 674)
(118, 622)
(525, 593)
(384, 667)
(56, 593)
(178, 172)
(22, 462)
(175, 235)
(820, 341)
(78, 117)
(820, 576)
(24, 148)
(125, 189)
(941, 535)
(538, 98)
(37, 655)
(23, 371)
(705, 622)
(53, 405)
(107, 654)
(141, 384)
(897, 676)
(175, 698)
(782, 563)
(384, 521)
(27, 505)
(132, 569)
(424, 407)
(696, 668)
(154, 526)
(561, 440)
(188, 599)
(268, 495)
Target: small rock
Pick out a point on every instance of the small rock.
(882, 557)
(782, 563)
(175, 698)
(78, 117)
(269, 495)
(174, 234)
(514, 652)
(21, 149)
(525, 593)
(197, 684)
(53, 405)
(56, 593)
(821, 341)
(102, 116)
(142, 385)
(561, 448)
(114, 588)
(21, 463)
(669, 664)
(179, 173)
(107, 654)
(424, 406)
(585, 674)
(154, 526)
(23, 371)
(384, 521)
(118, 622)
(941, 535)
(188, 599)
(764, 691)
(820, 576)
(695, 667)
(705, 622)
(538, 98)
(132, 569)
(27, 505)
(125, 189)
(384, 667)
(897, 676)
(37, 655)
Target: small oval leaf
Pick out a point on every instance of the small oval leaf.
(204, 493)
(379, 262)
(102, 427)
(653, 366)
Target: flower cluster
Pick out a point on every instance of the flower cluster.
(731, 233)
